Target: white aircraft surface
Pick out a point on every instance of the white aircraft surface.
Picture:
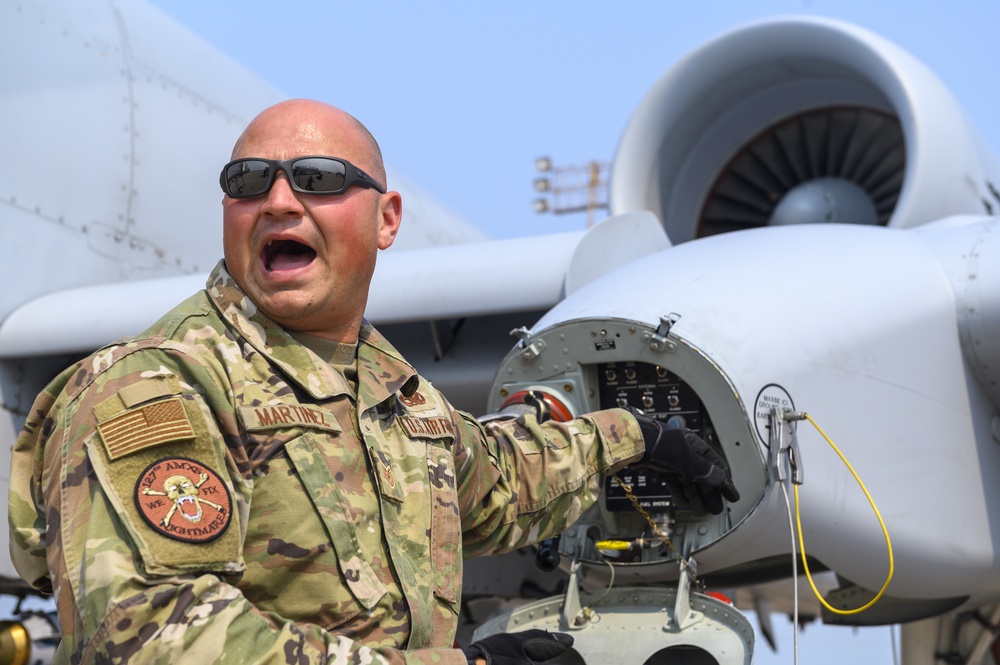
(800, 223)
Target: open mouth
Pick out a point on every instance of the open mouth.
(286, 255)
(189, 508)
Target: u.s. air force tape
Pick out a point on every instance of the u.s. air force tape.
(183, 499)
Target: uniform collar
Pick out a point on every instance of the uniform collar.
(381, 369)
(382, 372)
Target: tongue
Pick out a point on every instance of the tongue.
(289, 256)
(286, 261)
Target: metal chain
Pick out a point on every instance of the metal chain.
(656, 529)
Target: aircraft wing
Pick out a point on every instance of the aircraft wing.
(445, 282)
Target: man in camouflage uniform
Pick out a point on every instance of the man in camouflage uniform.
(261, 477)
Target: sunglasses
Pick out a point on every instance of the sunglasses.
(253, 176)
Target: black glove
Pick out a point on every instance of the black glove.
(697, 476)
(523, 648)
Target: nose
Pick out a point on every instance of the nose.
(281, 200)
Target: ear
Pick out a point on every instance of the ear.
(390, 209)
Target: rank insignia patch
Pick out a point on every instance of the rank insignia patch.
(414, 400)
(387, 474)
(184, 500)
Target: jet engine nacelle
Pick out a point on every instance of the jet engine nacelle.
(877, 328)
(867, 329)
(800, 120)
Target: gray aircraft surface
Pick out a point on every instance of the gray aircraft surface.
(801, 237)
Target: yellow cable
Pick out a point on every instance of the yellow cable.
(802, 545)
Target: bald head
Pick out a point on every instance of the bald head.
(306, 258)
(298, 122)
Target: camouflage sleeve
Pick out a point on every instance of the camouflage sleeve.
(521, 481)
(119, 598)
(26, 502)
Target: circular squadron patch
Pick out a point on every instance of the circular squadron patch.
(183, 499)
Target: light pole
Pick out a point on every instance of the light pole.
(569, 189)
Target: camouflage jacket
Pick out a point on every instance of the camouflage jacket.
(212, 491)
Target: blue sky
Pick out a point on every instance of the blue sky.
(463, 96)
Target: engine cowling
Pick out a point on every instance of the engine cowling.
(825, 132)
(791, 108)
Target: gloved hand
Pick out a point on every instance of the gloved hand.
(522, 648)
(697, 476)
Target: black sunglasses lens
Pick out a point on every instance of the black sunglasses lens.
(318, 174)
(247, 178)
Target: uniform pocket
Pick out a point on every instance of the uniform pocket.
(304, 452)
(445, 523)
(415, 465)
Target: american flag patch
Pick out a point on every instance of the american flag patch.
(151, 425)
